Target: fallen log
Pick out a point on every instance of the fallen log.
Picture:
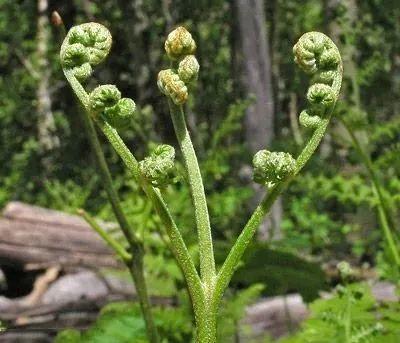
(34, 235)
(65, 304)
(57, 242)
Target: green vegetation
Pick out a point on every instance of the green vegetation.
(351, 315)
(97, 151)
(87, 45)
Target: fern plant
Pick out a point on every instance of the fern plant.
(355, 123)
(350, 315)
(84, 47)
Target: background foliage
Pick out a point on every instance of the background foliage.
(329, 213)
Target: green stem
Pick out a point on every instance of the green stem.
(388, 233)
(383, 210)
(347, 323)
(179, 247)
(206, 326)
(136, 269)
(236, 253)
(207, 263)
(135, 244)
(115, 245)
(107, 180)
(228, 268)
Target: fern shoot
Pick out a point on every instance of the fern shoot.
(87, 45)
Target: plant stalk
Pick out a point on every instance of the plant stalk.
(206, 326)
(228, 268)
(135, 244)
(178, 245)
(207, 263)
(105, 175)
(115, 245)
(136, 269)
(383, 208)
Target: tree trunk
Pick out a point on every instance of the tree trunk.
(46, 126)
(257, 82)
(257, 72)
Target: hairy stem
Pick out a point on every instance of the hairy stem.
(115, 245)
(301, 51)
(228, 268)
(206, 326)
(207, 264)
(107, 181)
(178, 245)
(136, 269)
(236, 253)
(135, 244)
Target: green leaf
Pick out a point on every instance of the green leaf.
(353, 305)
(68, 336)
(122, 322)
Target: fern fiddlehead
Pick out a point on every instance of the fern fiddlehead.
(172, 86)
(109, 111)
(106, 100)
(158, 167)
(174, 82)
(179, 44)
(319, 57)
(85, 46)
(272, 167)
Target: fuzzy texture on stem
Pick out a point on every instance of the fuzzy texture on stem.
(179, 248)
(207, 264)
(86, 45)
(172, 84)
(316, 54)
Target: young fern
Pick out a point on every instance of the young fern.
(88, 44)
(312, 53)
(85, 46)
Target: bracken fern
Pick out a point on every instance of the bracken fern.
(88, 44)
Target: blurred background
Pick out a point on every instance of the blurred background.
(248, 97)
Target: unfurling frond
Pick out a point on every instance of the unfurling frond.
(159, 166)
(85, 46)
(179, 43)
(317, 55)
(272, 167)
